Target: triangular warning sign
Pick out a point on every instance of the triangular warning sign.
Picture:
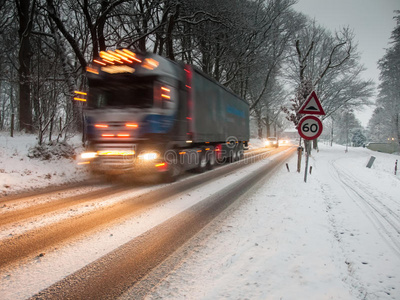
(312, 106)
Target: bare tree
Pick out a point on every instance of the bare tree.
(25, 9)
(389, 89)
(330, 65)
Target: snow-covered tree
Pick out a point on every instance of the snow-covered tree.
(389, 89)
(345, 126)
(379, 126)
(358, 138)
(329, 64)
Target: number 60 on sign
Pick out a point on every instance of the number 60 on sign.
(310, 127)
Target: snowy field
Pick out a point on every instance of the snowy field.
(335, 237)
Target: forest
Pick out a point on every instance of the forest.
(263, 50)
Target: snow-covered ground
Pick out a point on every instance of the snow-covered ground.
(18, 172)
(335, 237)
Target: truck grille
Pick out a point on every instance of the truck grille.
(113, 156)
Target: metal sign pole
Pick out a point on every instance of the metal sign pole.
(307, 145)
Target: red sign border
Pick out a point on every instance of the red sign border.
(301, 123)
(321, 111)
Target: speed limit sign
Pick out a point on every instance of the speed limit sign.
(310, 127)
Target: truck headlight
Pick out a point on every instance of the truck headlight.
(88, 155)
(148, 156)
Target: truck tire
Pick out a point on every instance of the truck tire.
(211, 157)
(240, 151)
(174, 169)
(203, 162)
(234, 154)
(172, 174)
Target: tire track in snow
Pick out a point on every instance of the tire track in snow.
(385, 220)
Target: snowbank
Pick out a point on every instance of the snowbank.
(18, 172)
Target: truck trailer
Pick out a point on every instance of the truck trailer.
(148, 114)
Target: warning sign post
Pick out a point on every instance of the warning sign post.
(312, 106)
(310, 127)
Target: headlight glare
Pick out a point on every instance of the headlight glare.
(88, 155)
(149, 156)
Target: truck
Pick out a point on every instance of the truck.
(146, 114)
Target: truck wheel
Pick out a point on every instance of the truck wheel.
(172, 174)
(202, 166)
(234, 155)
(211, 159)
(240, 152)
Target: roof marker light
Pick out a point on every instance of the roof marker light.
(109, 57)
(92, 70)
(121, 56)
(109, 61)
(131, 125)
(150, 64)
(114, 56)
(99, 62)
(131, 55)
(101, 125)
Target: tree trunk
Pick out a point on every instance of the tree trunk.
(267, 124)
(24, 58)
(170, 28)
(260, 128)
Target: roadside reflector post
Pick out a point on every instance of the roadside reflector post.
(299, 154)
(371, 162)
(395, 168)
(307, 144)
(12, 125)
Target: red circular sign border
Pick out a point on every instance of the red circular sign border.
(317, 134)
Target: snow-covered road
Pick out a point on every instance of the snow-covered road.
(334, 237)
(329, 238)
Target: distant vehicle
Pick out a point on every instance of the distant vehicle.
(272, 142)
(147, 114)
(284, 142)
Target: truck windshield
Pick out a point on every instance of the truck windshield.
(129, 95)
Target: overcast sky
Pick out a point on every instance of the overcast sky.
(372, 22)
